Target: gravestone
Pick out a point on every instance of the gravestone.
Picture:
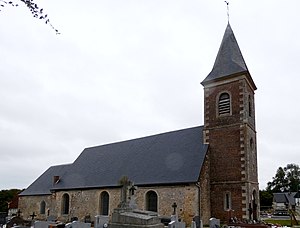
(42, 224)
(101, 221)
(18, 221)
(174, 219)
(214, 223)
(198, 222)
(177, 224)
(51, 218)
(126, 215)
(193, 225)
(77, 224)
(87, 219)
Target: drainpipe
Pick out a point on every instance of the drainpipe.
(199, 200)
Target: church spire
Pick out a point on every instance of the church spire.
(229, 60)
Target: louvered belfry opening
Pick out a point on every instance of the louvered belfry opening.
(224, 104)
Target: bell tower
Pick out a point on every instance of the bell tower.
(229, 129)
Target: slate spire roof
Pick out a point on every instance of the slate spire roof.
(229, 60)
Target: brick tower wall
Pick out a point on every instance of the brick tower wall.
(233, 162)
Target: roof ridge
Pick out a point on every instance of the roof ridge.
(142, 137)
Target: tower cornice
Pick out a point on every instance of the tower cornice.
(230, 78)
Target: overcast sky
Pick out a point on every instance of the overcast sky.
(124, 69)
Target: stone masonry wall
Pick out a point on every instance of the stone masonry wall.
(185, 196)
(87, 202)
(30, 204)
(205, 191)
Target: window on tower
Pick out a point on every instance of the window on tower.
(251, 144)
(250, 105)
(227, 201)
(224, 104)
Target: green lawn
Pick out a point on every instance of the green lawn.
(285, 222)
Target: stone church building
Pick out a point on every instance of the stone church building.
(208, 171)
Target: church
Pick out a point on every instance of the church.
(208, 171)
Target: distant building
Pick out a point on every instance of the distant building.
(13, 207)
(209, 171)
(284, 201)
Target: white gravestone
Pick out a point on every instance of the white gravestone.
(101, 221)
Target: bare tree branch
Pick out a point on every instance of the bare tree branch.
(34, 9)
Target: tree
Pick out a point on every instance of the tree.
(36, 11)
(266, 199)
(6, 196)
(286, 179)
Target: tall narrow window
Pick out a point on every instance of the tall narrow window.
(151, 201)
(65, 204)
(224, 104)
(251, 144)
(104, 203)
(43, 208)
(227, 201)
(250, 105)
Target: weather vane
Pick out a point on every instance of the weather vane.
(227, 3)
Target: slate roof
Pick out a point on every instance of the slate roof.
(169, 158)
(279, 198)
(284, 197)
(43, 184)
(229, 60)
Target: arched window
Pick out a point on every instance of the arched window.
(43, 208)
(104, 203)
(224, 104)
(254, 205)
(151, 201)
(65, 204)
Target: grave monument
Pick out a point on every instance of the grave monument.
(127, 215)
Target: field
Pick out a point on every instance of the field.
(282, 222)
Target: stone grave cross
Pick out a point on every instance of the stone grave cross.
(174, 205)
(125, 183)
(132, 203)
(132, 190)
(33, 215)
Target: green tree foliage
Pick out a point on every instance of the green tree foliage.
(266, 199)
(36, 11)
(286, 179)
(6, 196)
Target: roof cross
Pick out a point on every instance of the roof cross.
(227, 4)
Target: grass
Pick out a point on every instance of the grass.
(283, 222)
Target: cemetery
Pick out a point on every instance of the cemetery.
(127, 215)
